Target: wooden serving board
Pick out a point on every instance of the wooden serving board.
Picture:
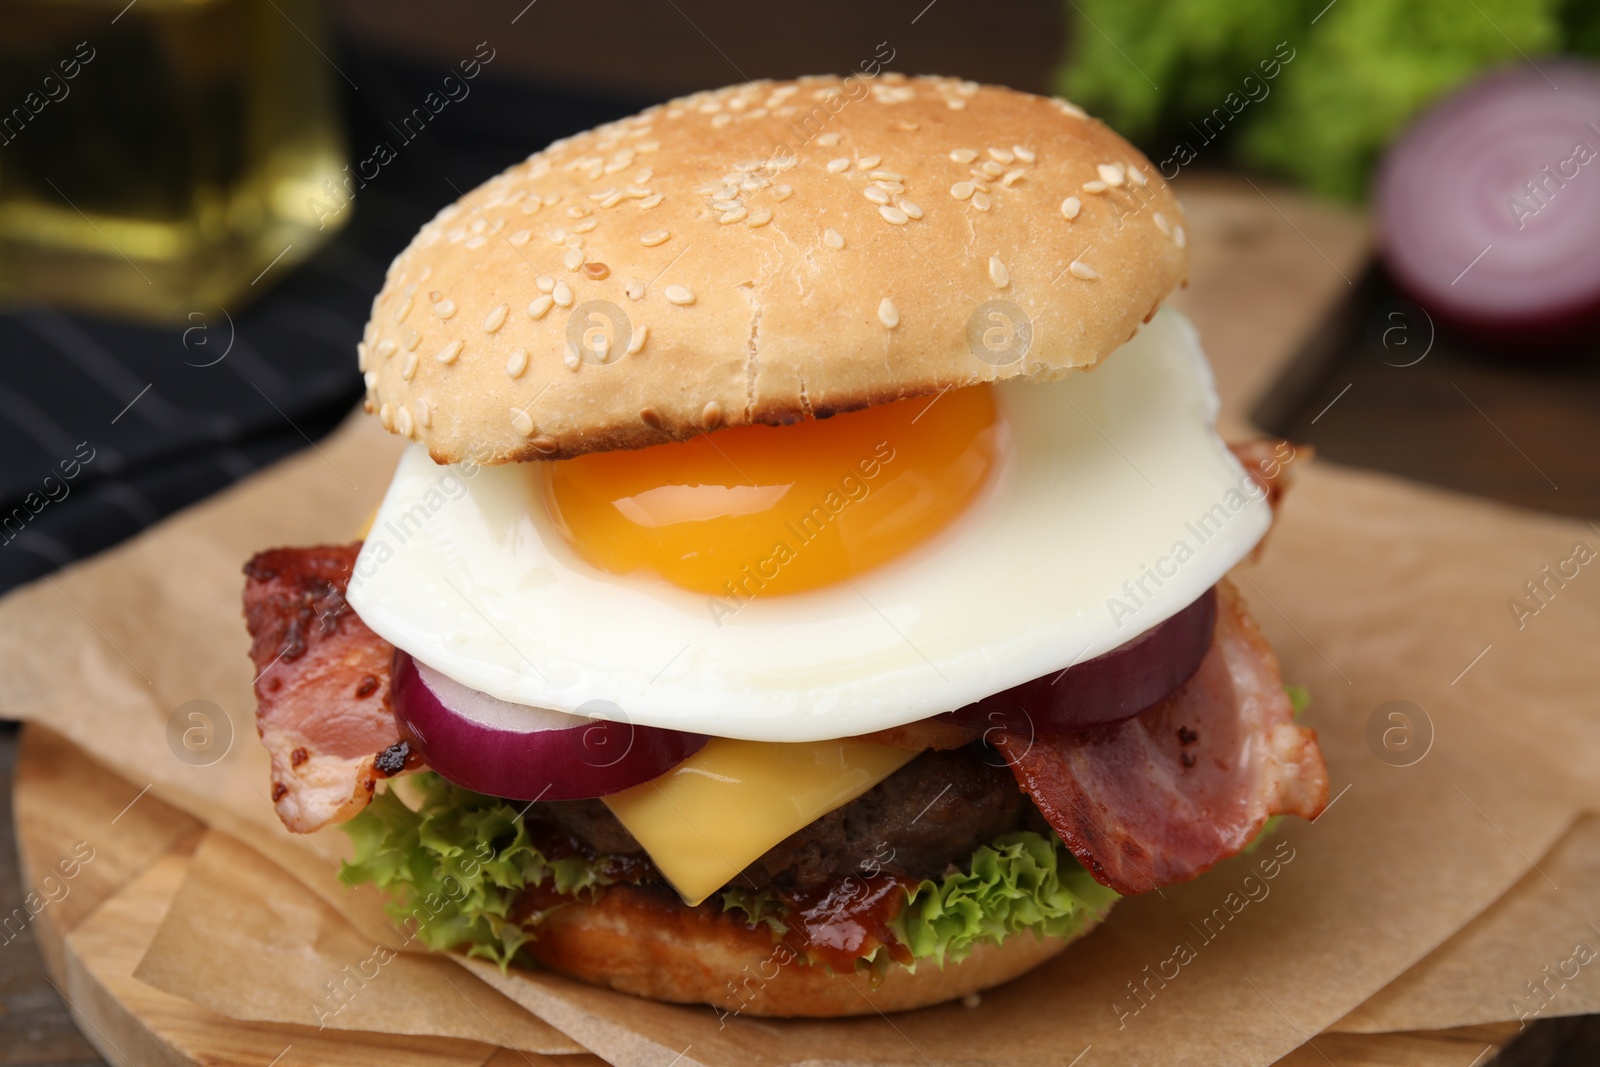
(1257, 291)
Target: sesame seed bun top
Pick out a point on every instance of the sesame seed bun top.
(765, 253)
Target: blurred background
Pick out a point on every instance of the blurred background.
(198, 199)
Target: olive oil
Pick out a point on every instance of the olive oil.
(157, 159)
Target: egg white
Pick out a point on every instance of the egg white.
(1073, 549)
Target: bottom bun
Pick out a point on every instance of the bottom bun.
(650, 945)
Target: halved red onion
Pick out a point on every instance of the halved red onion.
(1489, 205)
(1113, 686)
(526, 753)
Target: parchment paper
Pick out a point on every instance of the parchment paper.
(1371, 591)
(310, 966)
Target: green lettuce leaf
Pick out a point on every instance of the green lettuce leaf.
(454, 867)
(1023, 881)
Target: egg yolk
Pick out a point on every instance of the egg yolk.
(764, 510)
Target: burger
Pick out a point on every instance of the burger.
(804, 590)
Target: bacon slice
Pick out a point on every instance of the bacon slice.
(322, 685)
(1163, 796)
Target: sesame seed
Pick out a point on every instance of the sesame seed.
(495, 318)
(596, 271)
(634, 290)
(522, 422)
(636, 341)
(473, 243)
(410, 341)
(990, 168)
(386, 417)
(386, 348)
(888, 314)
(678, 294)
(733, 216)
(868, 162)
(371, 380)
(963, 155)
(403, 310)
(782, 192)
(408, 369)
(424, 412)
(1082, 270)
(890, 187)
(1024, 154)
(557, 235)
(894, 215)
(760, 217)
(570, 357)
(711, 415)
(909, 208)
(653, 238)
(876, 195)
(1000, 155)
(603, 193)
(886, 176)
(540, 305)
(449, 352)
(545, 283)
(650, 201)
(1012, 176)
(1095, 186)
(583, 227)
(836, 166)
(517, 362)
(1179, 238)
(650, 418)
(573, 259)
(962, 190)
(998, 273)
(828, 139)
(562, 295)
(1136, 176)
(1071, 206)
(519, 238)
(833, 239)
(955, 104)
(402, 420)
(981, 201)
(1071, 109)
(1112, 174)
(1161, 223)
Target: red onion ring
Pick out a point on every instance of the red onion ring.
(1113, 686)
(1489, 205)
(525, 753)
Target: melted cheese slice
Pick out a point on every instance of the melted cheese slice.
(718, 811)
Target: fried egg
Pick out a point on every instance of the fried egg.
(827, 579)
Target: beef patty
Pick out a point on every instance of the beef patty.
(925, 818)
